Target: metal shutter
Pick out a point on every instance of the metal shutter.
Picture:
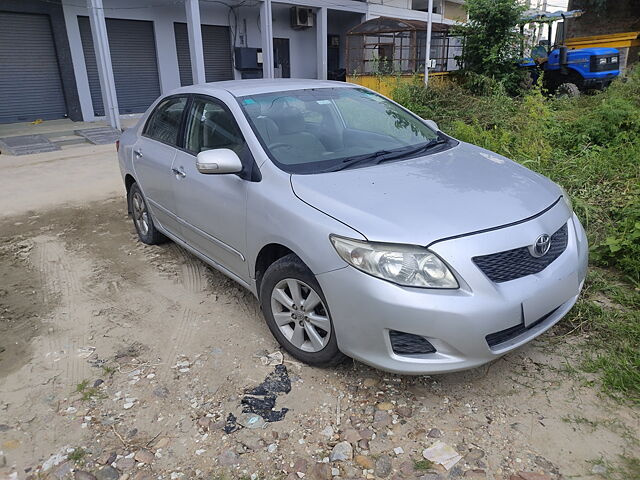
(134, 63)
(216, 45)
(30, 84)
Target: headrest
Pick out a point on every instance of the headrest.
(289, 121)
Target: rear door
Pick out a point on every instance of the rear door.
(153, 156)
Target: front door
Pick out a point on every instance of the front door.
(153, 156)
(281, 57)
(212, 207)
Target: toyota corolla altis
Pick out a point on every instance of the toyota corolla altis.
(363, 230)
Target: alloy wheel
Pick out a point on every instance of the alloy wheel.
(301, 315)
(140, 214)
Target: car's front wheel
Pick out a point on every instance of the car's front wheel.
(297, 313)
(142, 220)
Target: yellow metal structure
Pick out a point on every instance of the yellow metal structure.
(613, 40)
(386, 84)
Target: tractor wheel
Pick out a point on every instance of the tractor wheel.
(567, 90)
(527, 82)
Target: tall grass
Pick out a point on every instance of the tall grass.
(591, 146)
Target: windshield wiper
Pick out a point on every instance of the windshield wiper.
(422, 148)
(350, 161)
(385, 155)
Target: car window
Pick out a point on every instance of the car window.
(164, 122)
(315, 130)
(364, 113)
(209, 126)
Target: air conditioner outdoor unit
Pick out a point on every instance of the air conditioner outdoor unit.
(301, 17)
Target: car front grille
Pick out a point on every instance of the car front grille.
(517, 263)
(409, 344)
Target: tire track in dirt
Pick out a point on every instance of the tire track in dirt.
(193, 272)
(61, 274)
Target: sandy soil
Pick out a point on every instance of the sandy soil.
(171, 346)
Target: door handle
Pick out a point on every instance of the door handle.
(180, 173)
(138, 153)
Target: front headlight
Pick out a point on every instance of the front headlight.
(405, 265)
(566, 198)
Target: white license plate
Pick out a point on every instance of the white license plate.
(549, 296)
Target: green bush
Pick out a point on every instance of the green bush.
(491, 39)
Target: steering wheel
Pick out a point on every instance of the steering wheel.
(273, 146)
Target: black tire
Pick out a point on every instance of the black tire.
(151, 236)
(291, 267)
(567, 90)
(527, 81)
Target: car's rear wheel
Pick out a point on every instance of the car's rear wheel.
(297, 313)
(142, 220)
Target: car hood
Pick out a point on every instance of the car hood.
(418, 201)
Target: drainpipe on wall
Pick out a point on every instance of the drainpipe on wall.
(103, 59)
(428, 56)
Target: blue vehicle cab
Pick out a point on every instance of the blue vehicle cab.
(568, 72)
(587, 68)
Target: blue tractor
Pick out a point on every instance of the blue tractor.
(568, 72)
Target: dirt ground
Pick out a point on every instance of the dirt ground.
(122, 360)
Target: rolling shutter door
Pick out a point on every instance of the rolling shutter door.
(134, 63)
(216, 45)
(30, 84)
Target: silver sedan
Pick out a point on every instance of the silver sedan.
(362, 229)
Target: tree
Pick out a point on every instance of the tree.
(491, 37)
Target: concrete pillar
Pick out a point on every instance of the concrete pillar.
(321, 42)
(196, 52)
(266, 26)
(427, 60)
(103, 59)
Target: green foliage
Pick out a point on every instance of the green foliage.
(491, 43)
(591, 146)
(422, 464)
(77, 455)
(87, 392)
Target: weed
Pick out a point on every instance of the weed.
(82, 386)
(87, 392)
(77, 455)
(626, 468)
(422, 464)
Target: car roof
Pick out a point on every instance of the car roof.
(241, 88)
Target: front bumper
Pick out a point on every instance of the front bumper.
(457, 323)
(598, 83)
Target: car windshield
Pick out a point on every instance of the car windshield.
(326, 129)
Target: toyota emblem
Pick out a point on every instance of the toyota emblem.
(541, 246)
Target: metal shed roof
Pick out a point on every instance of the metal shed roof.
(391, 25)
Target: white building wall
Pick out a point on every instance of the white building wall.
(244, 32)
(162, 17)
(301, 43)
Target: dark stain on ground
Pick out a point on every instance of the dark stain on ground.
(261, 400)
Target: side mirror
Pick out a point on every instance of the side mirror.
(219, 160)
(433, 125)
